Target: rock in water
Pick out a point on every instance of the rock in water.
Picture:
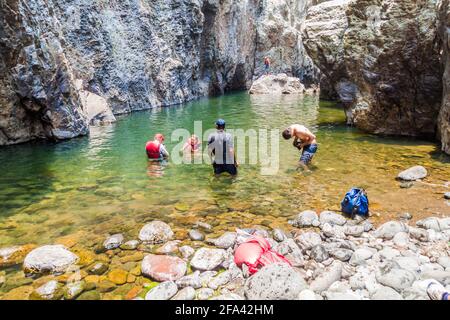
(196, 235)
(49, 258)
(163, 291)
(163, 268)
(156, 232)
(274, 282)
(331, 274)
(130, 245)
(113, 241)
(277, 84)
(413, 173)
(49, 291)
(447, 195)
(207, 259)
(389, 229)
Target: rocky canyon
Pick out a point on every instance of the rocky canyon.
(68, 64)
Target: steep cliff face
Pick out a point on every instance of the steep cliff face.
(279, 38)
(38, 98)
(444, 115)
(382, 58)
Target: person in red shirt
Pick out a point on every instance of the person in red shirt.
(155, 149)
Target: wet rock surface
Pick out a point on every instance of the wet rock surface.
(49, 259)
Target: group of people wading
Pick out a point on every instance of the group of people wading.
(221, 147)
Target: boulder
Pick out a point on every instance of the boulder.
(192, 280)
(187, 293)
(386, 293)
(389, 229)
(225, 241)
(331, 217)
(306, 218)
(360, 256)
(49, 259)
(163, 291)
(277, 84)
(163, 268)
(156, 232)
(274, 282)
(319, 253)
(324, 280)
(307, 240)
(207, 259)
(354, 231)
(413, 173)
(392, 276)
(342, 254)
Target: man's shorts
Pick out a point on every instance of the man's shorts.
(308, 153)
(230, 168)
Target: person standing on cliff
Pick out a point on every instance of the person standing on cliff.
(221, 150)
(303, 139)
(267, 65)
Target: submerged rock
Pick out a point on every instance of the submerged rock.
(49, 258)
(274, 282)
(196, 235)
(413, 173)
(10, 256)
(113, 241)
(48, 291)
(163, 268)
(156, 232)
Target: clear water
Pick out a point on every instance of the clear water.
(92, 186)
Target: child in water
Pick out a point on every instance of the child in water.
(192, 144)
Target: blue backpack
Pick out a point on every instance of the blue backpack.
(355, 202)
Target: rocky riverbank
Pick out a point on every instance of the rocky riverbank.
(332, 257)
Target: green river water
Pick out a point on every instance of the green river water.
(100, 184)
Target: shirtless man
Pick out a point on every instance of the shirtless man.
(303, 138)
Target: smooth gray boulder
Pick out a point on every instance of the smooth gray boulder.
(332, 218)
(163, 291)
(49, 258)
(354, 231)
(386, 293)
(187, 293)
(225, 241)
(319, 253)
(429, 223)
(274, 282)
(331, 274)
(392, 276)
(307, 218)
(389, 229)
(207, 259)
(342, 254)
(307, 240)
(413, 173)
(156, 232)
(196, 235)
(360, 256)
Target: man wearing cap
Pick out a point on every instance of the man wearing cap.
(155, 149)
(221, 150)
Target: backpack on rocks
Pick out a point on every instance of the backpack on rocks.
(256, 253)
(356, 202)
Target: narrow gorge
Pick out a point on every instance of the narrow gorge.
(68, 63)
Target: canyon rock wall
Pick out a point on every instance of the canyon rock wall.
(38, 98)
(444, 115)
(382, 59)
(128, 54)
(279, 37)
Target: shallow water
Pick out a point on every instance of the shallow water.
(93, 186)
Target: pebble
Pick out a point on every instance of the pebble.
(196, 235)
(306, 295)
(191, 280)
(98, 268)
(186, 251)
(130, 245)
(113, 241)
(204, 293)
(447, 195)
(278, 235)
(332, 218)
(331, 274)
